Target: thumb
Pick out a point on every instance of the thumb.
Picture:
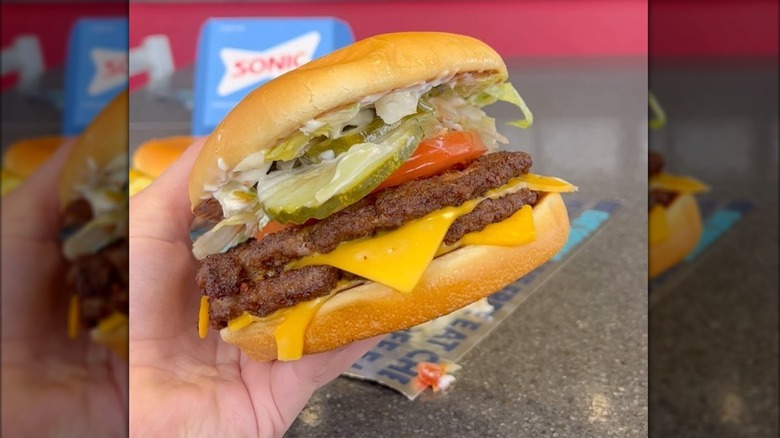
(32, 210)
(162, 210)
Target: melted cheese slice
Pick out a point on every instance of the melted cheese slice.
(112, 323)
(289, 334)
(397, 258)
(658, 225)
(515, 230)
(203, 317)
(541, 183)
(677, 183)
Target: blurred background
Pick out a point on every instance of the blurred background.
(714, 318)
(62, 62)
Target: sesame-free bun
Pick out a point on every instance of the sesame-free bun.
(25, 156)
(154, 156)
(685, 226)
(101, 142)
(371, 66)
(451, 282)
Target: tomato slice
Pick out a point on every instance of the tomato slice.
(437, 154)
(274, 227)
(429, 374)
(270, 228)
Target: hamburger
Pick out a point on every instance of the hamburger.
(362, 194)
(93, 196)
(22, 158)
(675, 225)
(152, 157)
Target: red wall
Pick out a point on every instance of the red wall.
(514, 28)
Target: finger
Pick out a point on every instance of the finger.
(163, 293)
(162, 210)
(32, 210)
(293, 383)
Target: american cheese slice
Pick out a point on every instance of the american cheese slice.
(397, 258)
(658, 225)
(203, 317)
(289, 334)
(240, 322)
(541, 183)
(113, 322)
(677, 183)
(515, 230)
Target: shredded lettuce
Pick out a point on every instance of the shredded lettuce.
(504, 92)
(229, 232)
(395, 106)
(328, 126)
(658, 116)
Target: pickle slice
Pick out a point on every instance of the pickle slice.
(318, 190)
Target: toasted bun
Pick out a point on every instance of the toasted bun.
(452, 281)
(685, 226)
(154, 156)
(23, 157)
(103, 140)
(375, 65)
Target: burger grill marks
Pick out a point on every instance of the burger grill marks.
(662, 197)
(251, 276)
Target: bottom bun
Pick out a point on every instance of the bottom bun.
(685, 227)
(451, 282)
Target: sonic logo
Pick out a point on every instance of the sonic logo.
(244, 68)
(110, 70)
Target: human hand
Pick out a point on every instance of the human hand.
(183, 384)
(52, 385)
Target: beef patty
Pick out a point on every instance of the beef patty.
(100, 282)
(251, 277)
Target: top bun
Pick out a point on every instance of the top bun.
(374, 65)
(154, 156)
(25, 156)
(104, 139)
